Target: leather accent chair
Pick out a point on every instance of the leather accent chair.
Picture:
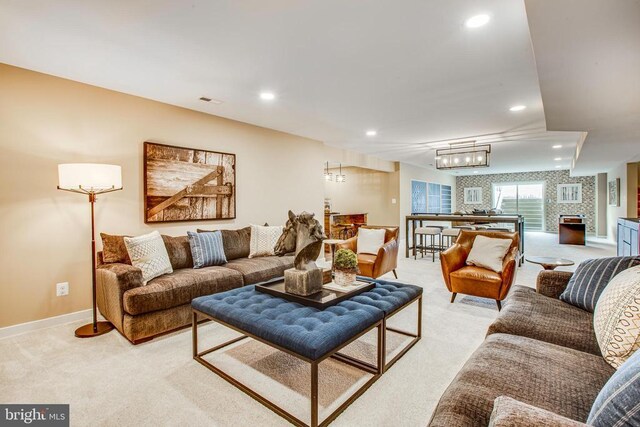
(384, 261)
(477, 281)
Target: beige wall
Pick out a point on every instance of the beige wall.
(45, 233)
(366, 191)
(410, 172)
(628, 174)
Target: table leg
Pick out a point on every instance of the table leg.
(333, 256)
(406, 238)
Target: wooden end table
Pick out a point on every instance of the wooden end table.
(550, 263)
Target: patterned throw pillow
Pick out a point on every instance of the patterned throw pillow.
(206, 249)
(590, 279)
(148, 253)
(618, 403)
(237, 243)
(616, 320)
(263, 240)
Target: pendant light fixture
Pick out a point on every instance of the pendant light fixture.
(463, 155)
(340, 177)
(328, 176)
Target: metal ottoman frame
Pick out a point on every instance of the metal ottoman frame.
(377, 370)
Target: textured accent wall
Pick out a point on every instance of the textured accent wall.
(551, 180)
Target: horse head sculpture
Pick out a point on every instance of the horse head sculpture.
(302, 234)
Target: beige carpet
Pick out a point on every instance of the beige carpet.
(108, 381)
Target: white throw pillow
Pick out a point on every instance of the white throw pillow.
(616, 319)
(263, 240)
(149, 254)
(370, 240)
(488, 252)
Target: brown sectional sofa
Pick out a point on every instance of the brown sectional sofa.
(164, 304)
(541, 352)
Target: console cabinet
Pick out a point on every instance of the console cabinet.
(628, 243)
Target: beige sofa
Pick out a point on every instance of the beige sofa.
(162, 305)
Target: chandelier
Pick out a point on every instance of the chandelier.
(328, 176)
(461, 155)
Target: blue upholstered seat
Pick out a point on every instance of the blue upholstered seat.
(387, 296)
(307, 331)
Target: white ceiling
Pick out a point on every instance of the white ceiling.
(588, 60)
(411, 69)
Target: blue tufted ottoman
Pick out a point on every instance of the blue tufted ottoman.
(307, 333)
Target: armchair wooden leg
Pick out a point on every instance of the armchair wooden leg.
(453, 297)
(395, 274)
(499, 305)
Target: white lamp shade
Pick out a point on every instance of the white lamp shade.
(89, 176)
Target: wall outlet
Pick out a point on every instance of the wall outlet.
(393, 201)
(62, 289)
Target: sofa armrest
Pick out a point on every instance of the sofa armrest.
(112, 281)
(451, 260)
(386, 259)
(351, 243)
(508, 412)
(552, 283)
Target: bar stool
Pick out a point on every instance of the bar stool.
(451, 234)
(427, 231)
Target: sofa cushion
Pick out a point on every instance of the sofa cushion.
(149, 254)
(307, 331)
(529, 314)
(551, 377)
(236, 242)
(179, 251)
(206, 248)
(617, 317)
(591, 277)
(618, 403)
(261, 269)
(114, 249)
(180, 287)
(508, 412)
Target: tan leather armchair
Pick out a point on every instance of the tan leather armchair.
(477, 281)
(384, 261)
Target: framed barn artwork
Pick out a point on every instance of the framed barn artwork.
(188, 184)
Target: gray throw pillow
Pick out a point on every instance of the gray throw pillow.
(618, 403)
(590, 279)
(206, 249)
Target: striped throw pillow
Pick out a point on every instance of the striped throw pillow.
(618, 403)
(206, 249)
(590, 279)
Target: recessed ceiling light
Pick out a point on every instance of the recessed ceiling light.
(477, 21)
(476, 172)
(558, 166)
(557, 146)
(517, 108)
(267, 96)
(557, 159)
(372, 133)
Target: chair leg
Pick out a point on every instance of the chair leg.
(453, 297)
(499, 305)
(415, 246)
(395, 274)
(433, 249)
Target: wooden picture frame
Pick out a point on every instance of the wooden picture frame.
(473, 196)
(188, 184)
(570, 193)
(613, 192)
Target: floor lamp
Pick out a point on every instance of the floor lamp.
(91, 179)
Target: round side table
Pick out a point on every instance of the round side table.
(550, 263)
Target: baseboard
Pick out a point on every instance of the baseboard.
(21, 328)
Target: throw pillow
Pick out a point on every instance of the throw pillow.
(263, 240)
(370, 240)
(114, 249)
(206, 249)
(590, 279)
(179, 251)
(616, 319)
(237, 243)
(148, 253)
(488, 252)
(617, 403)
